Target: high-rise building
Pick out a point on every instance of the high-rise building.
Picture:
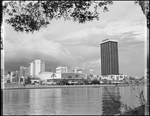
(61, 69)
(109, 57)
(36, 67)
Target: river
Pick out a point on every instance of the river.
(90, 100)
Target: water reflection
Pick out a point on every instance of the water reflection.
(109, 106)
(81, 101)
(129, 96)
(16, 101)
(45, 101)
(67, 101)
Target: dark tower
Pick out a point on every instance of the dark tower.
(109, 57)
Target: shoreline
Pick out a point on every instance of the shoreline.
(14, 87)
(139, 110)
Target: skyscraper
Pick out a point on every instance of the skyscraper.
(109, 57)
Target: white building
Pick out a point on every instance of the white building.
(48, 75)
(36, 67)
(61, 69)
(75, 70)
(13, 76)
(42, 66)
(114, 77)
(79, 70)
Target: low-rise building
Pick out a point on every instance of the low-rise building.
(57, 77)
(114, 78)
(74, 76)
(35, 80)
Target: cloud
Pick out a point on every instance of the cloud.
(34, 47)
(119, 29)
(77, 45)
(132, 60)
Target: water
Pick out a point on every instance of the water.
(90, 100)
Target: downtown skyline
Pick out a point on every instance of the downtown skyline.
(68, 43)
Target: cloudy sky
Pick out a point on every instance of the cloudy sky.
(68, 43)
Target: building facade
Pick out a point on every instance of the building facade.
(36, 67)
(49, 75)
(42, 66)
(109, 57)
(74, 76)
(24, 71)
(79, 70)
(61, 69)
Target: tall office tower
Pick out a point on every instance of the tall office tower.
(36, 67)
(109, 57)
(60, 69)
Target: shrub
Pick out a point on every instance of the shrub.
(85, 82)
(64, 82)
(95, 82)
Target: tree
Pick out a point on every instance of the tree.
(145, 8)
(53, 75)
(28, 80)
(85, 81)
(31, 16)
(76, 76)
(105, 81)
(95, 82)
(9, 72)
(8, 81)
(69, 77)
(88, 79)
(64, 82)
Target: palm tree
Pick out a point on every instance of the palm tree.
(77, 76)
(53, 75)
(70, 78)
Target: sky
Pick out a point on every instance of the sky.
(68, 43)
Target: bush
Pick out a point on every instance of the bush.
(95, 82)
(8, 81)
(85, 82)
(27, 80)
(64, 82)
